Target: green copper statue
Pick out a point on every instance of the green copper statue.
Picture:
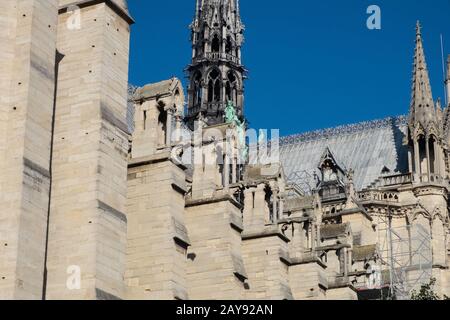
(230, 114)
(232, 118)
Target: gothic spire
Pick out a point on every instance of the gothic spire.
(422, 110)
(447, 81)
(197, 9)
(216, 72)
(446, 112)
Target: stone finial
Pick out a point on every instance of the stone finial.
(447, 80)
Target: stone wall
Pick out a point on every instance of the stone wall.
(157, 235)
(308, 280)
(266, 262)
(88, 220)
(27, 64)
(215, 266)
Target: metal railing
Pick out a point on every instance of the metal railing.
(215, 56)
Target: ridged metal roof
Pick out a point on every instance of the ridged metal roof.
(365, 147)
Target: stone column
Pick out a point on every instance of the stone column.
(204, 95)
(274, 208)
(281, 209)
(226, 171)
(345, 252)
(178, 120)
(234, 170)
(418, 169)
(169, 127)
(427, 146)
(410, 160)
(437, 157)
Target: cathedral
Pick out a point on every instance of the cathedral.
(113, 192)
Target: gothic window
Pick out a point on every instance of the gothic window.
(433, 164)
(423, 155)
(210, 91)
(215, 46)
(229, 46)
(214, 85)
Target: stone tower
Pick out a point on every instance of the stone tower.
(216, 73)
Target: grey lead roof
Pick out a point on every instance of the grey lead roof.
(365, 147)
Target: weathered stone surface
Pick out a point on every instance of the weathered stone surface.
(88, 218)
(27, 63)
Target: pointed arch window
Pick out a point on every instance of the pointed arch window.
(434, 159)
(229, 46)
(214, 85)
(423, 169)
(215, 45)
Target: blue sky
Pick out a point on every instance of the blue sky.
(312, 64)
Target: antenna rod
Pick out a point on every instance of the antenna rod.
(443, 71)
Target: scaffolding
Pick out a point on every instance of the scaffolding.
(406, 259)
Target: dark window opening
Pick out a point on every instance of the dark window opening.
(228, 91)
(215, 47)
(217, 91)
(210, 91)
(433, 163)
(229, 46)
